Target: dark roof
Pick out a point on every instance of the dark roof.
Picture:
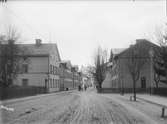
(33, 49)
(41, 50)
(147, 44)
(117, 50)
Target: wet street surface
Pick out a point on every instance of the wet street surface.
(73, 107)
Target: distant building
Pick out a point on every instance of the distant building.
(70, 76)
(118, 78)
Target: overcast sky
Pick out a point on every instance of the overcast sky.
(78, 27)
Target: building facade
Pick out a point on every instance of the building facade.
(40, 66)
(119, 79)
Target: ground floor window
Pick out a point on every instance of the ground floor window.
(24, 82)
(52, 83)
(46, 83)
(55, 83)
(58, 83)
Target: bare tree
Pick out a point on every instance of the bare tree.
(157, 66)
(100, 61)
(135, 61)
(160, 57)
(160, 35)
(156, 79)
(111, 56)
(9, 60)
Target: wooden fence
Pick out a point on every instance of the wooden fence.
(160, 91)
(155, 91)
(17, 91)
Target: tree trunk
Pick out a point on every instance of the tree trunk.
(134, 89)
(100, 85)
(156, 84)
(156, 79)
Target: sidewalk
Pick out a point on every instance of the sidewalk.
(150, 98)
(153, 98)
(145, 105)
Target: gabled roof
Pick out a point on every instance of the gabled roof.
(42, 49)
(147, 44)
(117, 50)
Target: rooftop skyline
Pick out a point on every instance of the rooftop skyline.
(79, 27)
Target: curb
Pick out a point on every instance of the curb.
(11, 101)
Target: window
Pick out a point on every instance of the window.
(53, 83)
(54, 70)
(51, 69)
(25, 68)
(50, 83)
(24, 82)
(46, 83)
(56, 83)
(143, 82)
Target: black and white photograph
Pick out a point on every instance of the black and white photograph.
(83, 61)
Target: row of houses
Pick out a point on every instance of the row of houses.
(118, 78)
(41, 66)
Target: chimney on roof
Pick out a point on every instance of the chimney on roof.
(140, 40)
(38, 42)
(131, 45)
